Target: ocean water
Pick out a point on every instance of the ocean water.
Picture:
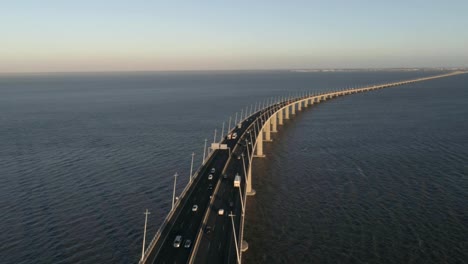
(379, 177)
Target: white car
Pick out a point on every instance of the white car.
(221, 211)
(177, 241)
(194, 208)
(187, 244)
(213, 170)
(210, 177)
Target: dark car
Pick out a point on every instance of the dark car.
(208, 229)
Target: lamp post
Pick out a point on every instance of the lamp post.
(144, 234)
(247, 147)
(251, 140)
(173, 192)
(235, 238)
(222, 133)
(204, 151)
(229, 129)
(214, 139)
(191, 167)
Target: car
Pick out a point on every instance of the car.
(225, 176)
(213, 170)
(188, 243)
(210, 187)
(194, 208)
(221, 211)
(231, 204)
(210, 177)
(208, 229)
(177, 241)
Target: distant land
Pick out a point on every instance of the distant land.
(243, 70)
(381, 69)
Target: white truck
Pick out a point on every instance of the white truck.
(237, 180)
(232, 135)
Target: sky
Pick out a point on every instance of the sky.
(137, 35)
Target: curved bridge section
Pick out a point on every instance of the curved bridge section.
(214, 232)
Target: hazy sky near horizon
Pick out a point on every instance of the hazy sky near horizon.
(105, 35)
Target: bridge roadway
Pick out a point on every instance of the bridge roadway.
(186, 222)
(217, 246)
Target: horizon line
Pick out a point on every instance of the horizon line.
(441, 68)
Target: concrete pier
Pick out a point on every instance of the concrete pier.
(274, 120)
(267, 129)
(280, 117)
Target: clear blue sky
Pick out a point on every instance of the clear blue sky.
(105, 35)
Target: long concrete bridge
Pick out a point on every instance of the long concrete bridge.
(213, 231)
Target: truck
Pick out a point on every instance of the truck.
(237, 180)
(232, 135)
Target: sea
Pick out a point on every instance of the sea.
(376, 177)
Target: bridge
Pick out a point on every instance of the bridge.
(213, 231)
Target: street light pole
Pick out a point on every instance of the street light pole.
(204, 151)
(191, 167)
(251, 140)
(214, 139)
(247, 147)
(229, 124)
(173, 192)
(235, 238)
(144, 234)
(222, 133)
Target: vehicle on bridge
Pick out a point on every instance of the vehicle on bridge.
(177, 241)
(188, 243)
(232, 135)
(237, 180)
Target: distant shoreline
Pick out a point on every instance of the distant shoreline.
(246, 70)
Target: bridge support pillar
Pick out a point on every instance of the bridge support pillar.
(286, 112)
(280, 115)
(260, 145)
(274, 120)
(293, 109)
(248, 189)
(306, 103)
(244, 246)
(299, 106)
(268, 130)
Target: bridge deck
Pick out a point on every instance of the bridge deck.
(217, 246)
